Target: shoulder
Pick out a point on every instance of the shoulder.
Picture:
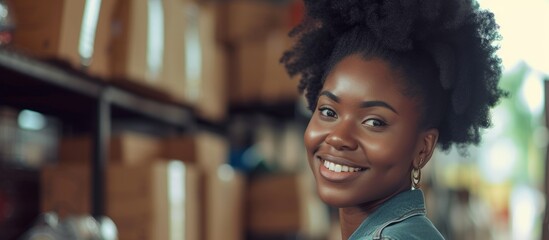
(417, 227)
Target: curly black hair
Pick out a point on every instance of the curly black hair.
(445, 49)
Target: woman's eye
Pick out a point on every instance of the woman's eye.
(372, 122)
(327, 112)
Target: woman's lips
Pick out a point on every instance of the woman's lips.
(338, 171)
(335, 167)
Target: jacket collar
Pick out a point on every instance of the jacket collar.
(404, 203)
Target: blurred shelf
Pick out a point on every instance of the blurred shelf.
(85, 101)
(282, 109)
(61, 91)
(47, 73)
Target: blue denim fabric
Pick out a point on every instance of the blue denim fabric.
(401, 217)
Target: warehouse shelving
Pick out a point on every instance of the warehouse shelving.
(83, 100)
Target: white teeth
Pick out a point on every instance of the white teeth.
(339, 168)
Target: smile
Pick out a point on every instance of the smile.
(334, 167)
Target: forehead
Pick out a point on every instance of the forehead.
(372, 78)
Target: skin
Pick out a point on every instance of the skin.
(363, 119)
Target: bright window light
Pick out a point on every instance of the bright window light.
(523, 26)
(525, 208)
(498, 160)
(532, 94)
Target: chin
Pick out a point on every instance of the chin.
(335, 198)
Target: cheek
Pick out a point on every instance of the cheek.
(388, 149)
(313, 136)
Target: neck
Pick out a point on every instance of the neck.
(350, 218)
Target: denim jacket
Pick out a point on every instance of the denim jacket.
(401, 217)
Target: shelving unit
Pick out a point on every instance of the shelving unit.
(85, 101)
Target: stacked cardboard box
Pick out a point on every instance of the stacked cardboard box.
(175, 48)
(207, 150)
(127, 148)
(242, 20)
(136, 53)
(223, 205)
(157, 200)
(73, 31)
(285, 204)
(257, 32)
(155, 188)
(165, 48)
(66, 190)
(274, 205)
(179, 56)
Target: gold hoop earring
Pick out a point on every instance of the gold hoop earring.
(416, 177)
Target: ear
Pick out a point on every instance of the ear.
(426, 147)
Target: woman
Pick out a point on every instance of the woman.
(387, 82)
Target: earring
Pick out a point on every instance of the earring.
(416, 177)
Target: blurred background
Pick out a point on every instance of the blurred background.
(173, 119)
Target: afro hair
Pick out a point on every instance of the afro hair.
(446, 51)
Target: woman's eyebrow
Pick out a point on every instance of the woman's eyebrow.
(368, 104)
(365, 104)
(330, 96)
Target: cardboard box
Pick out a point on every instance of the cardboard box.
(175, 66)
(258, 32)
(274, 205)
(100, 64)
(195, 62)
(138, 42)
(250, 66)
(285, 204)
(159, 200)
(127, 148)
(277, 86)
(133, 148)
(224, 204)
(212, 100)
(206, 150)
(156, 201)
(224, 188)
(49, 29)
(66, 190)
(260, 77)
(180, 57)
(53, 30)
(242, 20)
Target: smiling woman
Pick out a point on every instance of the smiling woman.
(387, 82)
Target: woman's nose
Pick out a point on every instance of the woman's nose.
(342, 136)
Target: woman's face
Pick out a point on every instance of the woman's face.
(364, 134)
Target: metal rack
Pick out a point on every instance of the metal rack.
(77, 97)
